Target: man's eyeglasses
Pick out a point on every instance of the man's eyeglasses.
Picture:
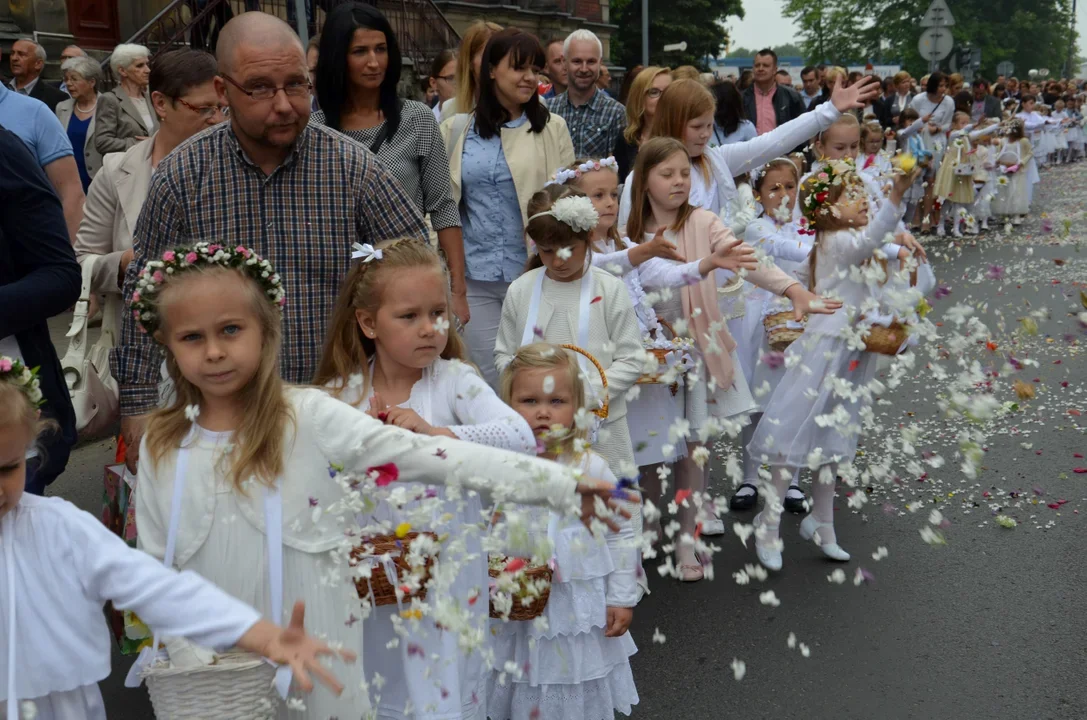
(206, 111)
(267, 92)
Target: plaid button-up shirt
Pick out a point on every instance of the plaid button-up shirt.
(303, 218)
(595, 127)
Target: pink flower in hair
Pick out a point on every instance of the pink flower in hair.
(169, 256)
(158, 277)
(214, 248)
(136, 296)
(190, 258)
(5, 365)
(242, 250)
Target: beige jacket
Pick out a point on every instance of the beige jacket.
(113, 205)
(533, 157)
(91, 157)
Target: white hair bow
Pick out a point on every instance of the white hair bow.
(365, 252)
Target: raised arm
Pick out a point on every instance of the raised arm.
(484, 418)
(742, 157)
(775, 243)
(627, 357)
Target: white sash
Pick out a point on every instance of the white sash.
(273, 529)
(8, 539)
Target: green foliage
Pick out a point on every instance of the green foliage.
(783, 50)
(1031, 34)
(698, 22)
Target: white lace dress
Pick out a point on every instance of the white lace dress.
(829, 380)
(570, 671)
(221, 533)
(427, 667)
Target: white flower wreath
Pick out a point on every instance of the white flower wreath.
(577, 212)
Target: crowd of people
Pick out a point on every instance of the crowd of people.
(453, 347)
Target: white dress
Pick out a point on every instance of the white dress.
(1014, 196)
(610, 335)
(942, 114)
(790, 249)
(570, 671)
(60, 565)
(222, 532)
(441, 680)
(654, 410)
(830, 374)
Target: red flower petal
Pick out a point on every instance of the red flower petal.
(387, 473)
(682, 495)
(515, 564)
(596, 299)
(1080, 470)
(853, 365)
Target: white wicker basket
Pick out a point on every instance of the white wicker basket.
(239, 686)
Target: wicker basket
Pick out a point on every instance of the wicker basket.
(535, 607)
(778, 332)
(384, 592)
(886, 340)
(662, 359)
(602, 411)
(239, 686)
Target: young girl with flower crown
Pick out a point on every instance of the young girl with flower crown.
(646, 266)
(60, 565)
(794, 431)
(716, 387)
(235, 478)
(577, 665)
(1013, 159)
(390, 352)
(788, 242)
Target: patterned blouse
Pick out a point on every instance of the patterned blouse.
(415, 155)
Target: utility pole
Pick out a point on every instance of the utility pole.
(1068, 70)
(645, 33)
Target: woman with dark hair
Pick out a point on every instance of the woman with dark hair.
(729, 124)
(935, 102)
(357, 76)
(628, 80)
(747, 78)
(499, 155)
(443, 79)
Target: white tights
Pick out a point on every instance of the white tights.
(822, 502)
(751, 466)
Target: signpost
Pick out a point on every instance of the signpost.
(936, 41)
(1005, 68)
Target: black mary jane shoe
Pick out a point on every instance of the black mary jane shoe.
(796, 506)
(744, 503)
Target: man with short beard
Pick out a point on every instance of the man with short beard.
(595, 120)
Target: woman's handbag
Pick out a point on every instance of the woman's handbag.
(94, 392)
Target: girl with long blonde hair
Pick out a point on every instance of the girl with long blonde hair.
(391, 353)
(235, 473)
(469, 58)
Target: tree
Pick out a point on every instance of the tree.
(698, 22)
(1032, 34)
(783, 50)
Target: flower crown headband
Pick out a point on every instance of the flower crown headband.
(174, 262)
(26, 379)
(576, 211)
(818, 184)
(564, 175)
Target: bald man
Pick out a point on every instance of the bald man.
(297, 194)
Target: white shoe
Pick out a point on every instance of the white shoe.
(940, 230)
(769, 558)
(956, 233)
(713, 526)
(809, 528)
(1018, 220)
(985, 226)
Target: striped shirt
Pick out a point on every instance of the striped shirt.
(303, 218)
(595, 127)
(416, 156)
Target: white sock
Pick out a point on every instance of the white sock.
(751, 466)
(822, 501)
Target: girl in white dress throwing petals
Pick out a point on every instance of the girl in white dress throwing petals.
(60, 565)
(235, 474)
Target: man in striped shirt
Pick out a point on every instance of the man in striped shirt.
(298, 195)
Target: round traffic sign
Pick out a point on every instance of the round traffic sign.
(1005, 68)
(935, 43)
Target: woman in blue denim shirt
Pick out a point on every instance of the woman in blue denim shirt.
(501, 154)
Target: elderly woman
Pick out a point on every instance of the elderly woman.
(125, 115)
(184, 100)
(83, 77)
(357, 78)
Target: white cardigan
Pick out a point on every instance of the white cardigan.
(67, 564)
(614, 339)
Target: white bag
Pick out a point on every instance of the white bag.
(94, 392)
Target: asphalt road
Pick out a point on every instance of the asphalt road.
(990, 625)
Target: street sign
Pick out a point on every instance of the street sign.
(677, 47)
(1005, 68)
(938, 15)
(935, 43)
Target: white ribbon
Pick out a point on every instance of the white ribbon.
(390, 574)
(365, 252)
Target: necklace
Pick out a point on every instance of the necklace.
(91, 109)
